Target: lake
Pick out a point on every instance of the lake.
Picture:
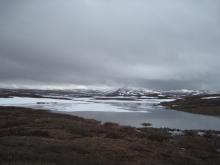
(123, 111)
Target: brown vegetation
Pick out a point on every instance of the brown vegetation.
(39, 137)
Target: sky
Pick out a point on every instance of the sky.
(154, 44)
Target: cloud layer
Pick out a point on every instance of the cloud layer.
(153, 44)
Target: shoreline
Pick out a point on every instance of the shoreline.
(42, 137)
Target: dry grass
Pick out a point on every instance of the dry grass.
(38, 137)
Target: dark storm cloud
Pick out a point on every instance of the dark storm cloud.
(154, 44)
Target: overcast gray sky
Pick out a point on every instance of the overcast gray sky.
(162, 44)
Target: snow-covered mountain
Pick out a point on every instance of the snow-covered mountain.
(153, 93)
(101, 92)
(132, 92)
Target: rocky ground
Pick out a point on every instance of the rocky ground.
(39, 137)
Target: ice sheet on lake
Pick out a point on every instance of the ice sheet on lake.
(82, 104)
(29, 100)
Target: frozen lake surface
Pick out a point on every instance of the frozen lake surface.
(124, 112)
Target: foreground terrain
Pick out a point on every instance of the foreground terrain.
(39, 137)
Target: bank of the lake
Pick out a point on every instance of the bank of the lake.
(198, 104)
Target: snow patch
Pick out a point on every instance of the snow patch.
(211, 97)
